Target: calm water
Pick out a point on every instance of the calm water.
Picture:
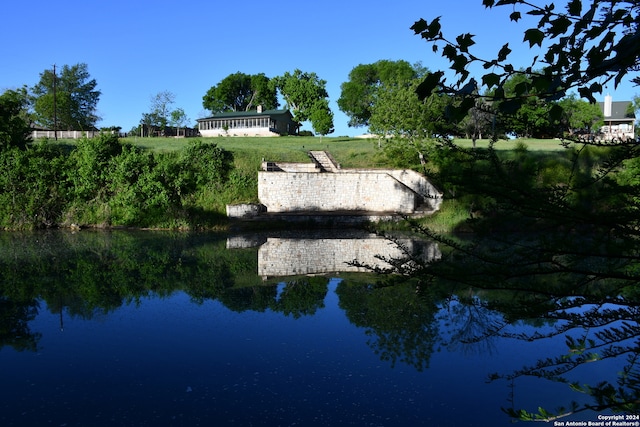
(156, 329)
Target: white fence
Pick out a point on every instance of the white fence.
(64, 134)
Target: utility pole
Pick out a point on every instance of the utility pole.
(55, 106)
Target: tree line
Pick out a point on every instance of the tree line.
(67, 99)
(382, 97)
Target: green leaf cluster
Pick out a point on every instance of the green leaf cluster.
(584, 48)
(303, 92)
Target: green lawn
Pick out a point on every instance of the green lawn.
(349, 152)
(532, 144)
(297, 146)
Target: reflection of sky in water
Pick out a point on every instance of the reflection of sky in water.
(171, 362)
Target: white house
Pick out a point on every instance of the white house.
(249, 123)
(619, 119)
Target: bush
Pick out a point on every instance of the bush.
(33, 189)
(90, 166)
(137, 194)
(204, 164)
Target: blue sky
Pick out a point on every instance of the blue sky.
(137, 48)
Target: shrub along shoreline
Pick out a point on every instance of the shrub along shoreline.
(102, 182)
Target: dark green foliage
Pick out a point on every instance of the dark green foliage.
(554, 239)
(205, 164)
(103, 182)
(145, 189)
(14, 126)
(91, 166)
(586, 49)
(99, 272)
(33, 189)
(14, 324)
(138, 191)
(302, 297)
(562, 232)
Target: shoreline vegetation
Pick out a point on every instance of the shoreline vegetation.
(184, 184)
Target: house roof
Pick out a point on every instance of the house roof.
(618, 110)
(246, 114)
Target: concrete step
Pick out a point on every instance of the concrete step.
(323, 159)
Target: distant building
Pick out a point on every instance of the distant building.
(619, 119)
(249, 123)
(168, 131)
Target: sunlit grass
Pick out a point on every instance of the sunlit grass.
(510, 144)
(249, 152)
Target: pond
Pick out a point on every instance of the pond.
(166, 329)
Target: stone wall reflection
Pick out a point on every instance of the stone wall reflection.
(291, 256)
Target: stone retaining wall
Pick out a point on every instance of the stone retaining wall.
(344, 191)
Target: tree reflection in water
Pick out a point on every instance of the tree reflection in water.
(14, 324)
(401, 327)
(406, 319)
(595, 330)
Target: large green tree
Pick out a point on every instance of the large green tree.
(407, 122)
(479, 121)
(400, 112)
(529, 118)
(360, 93)
(322, 118)
(66, 99)
(580, 116)
(241, 92)
(303, 92)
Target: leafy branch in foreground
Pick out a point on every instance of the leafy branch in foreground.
(553, 237)
(589, 47)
